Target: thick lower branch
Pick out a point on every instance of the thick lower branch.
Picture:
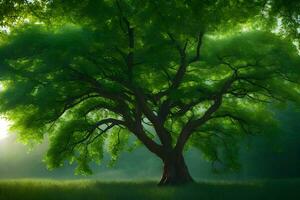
(148, 142)
(162, 133)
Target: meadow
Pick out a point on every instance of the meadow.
(89, 189)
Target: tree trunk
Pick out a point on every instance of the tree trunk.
(175, 171)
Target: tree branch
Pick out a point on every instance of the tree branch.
(191, 125)
(199, 44)
(166, 106)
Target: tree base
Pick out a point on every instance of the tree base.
(174, 182)
(175, 172)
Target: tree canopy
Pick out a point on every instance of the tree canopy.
(94, 76)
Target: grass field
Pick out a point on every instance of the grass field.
(86, 190)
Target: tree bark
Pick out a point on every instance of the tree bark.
(175, 171)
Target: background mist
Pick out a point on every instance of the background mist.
(261, 157)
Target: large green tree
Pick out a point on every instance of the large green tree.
(93, 76)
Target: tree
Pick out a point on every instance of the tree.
(93, 76)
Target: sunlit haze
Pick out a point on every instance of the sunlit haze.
(3, 128)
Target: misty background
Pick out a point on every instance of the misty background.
(261, 157)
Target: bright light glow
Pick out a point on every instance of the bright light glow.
(4, 29)
(4, 126)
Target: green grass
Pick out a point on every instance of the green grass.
(73, 190)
